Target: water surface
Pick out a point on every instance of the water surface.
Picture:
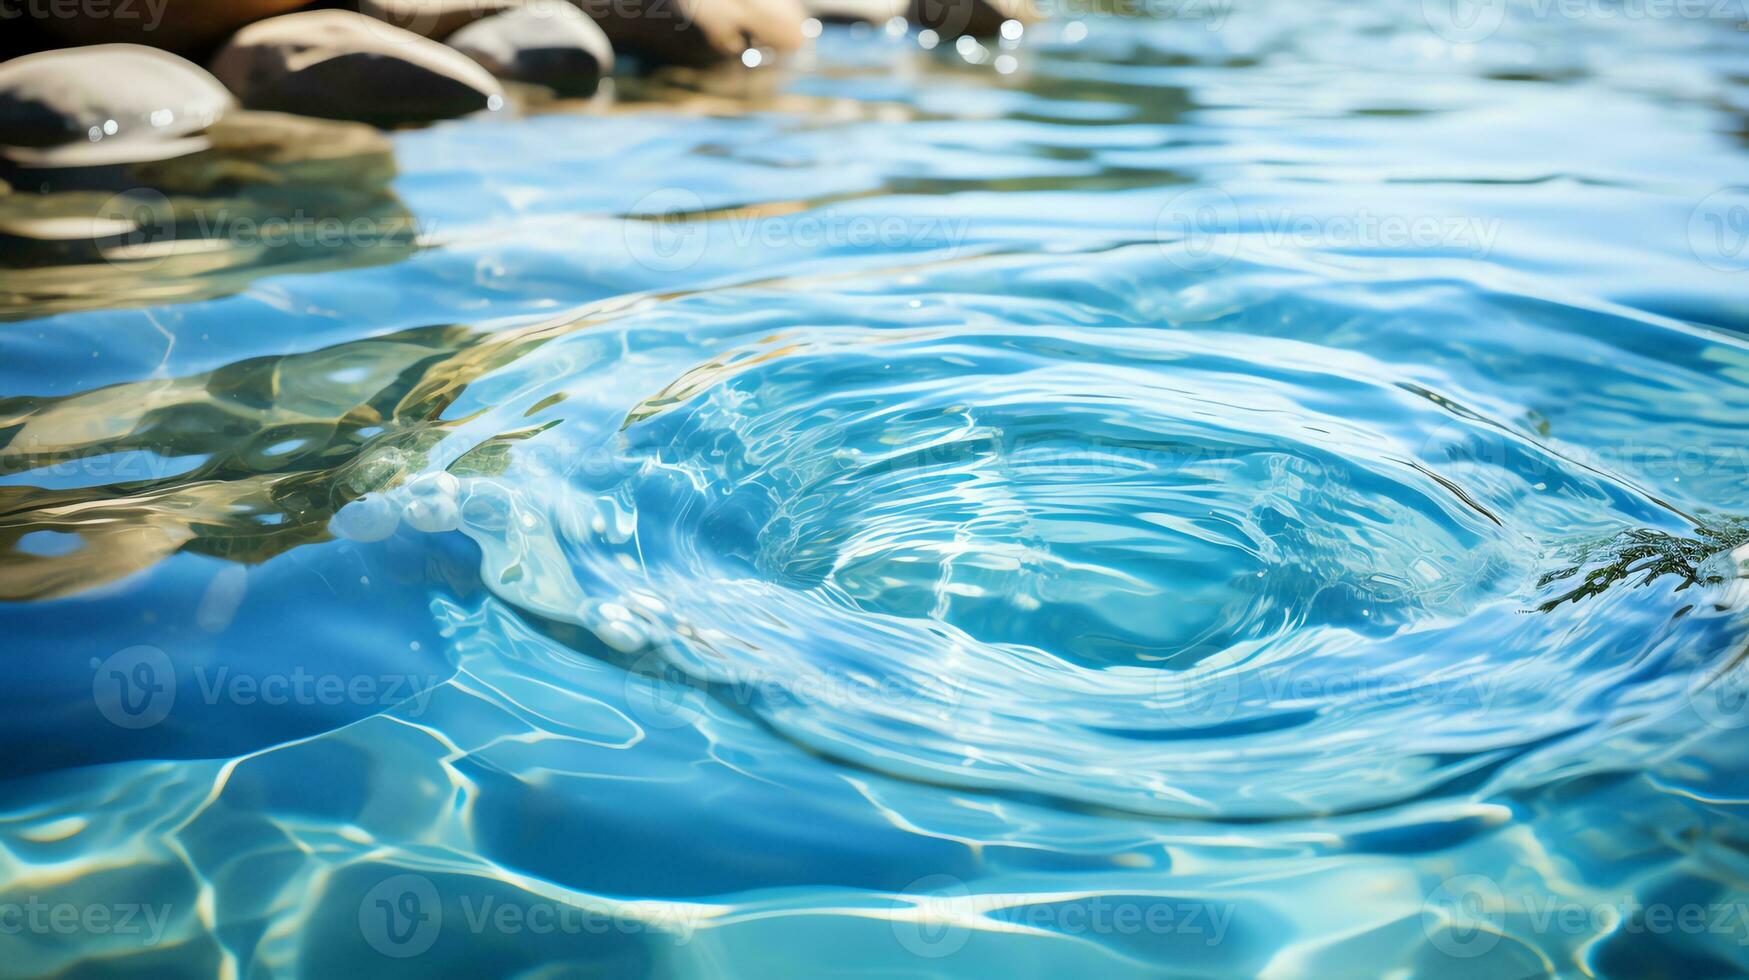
(1249, 492)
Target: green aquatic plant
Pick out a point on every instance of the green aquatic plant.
(1649, 555)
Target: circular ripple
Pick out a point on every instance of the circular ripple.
(1176, 572)
(1118, 502)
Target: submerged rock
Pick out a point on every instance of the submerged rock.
(103, 105)
(176, 25)
(978, 18)
(243, 149)
(338, 64)
(60, 229)
(554, 45)
(272, 149)
(697, 33)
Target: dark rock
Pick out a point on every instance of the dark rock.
(551, 44)
(22, 36)
(104, 105)
(337, 64)
(188, 26)
(979, 18)
(696, 33)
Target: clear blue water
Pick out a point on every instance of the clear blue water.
(1258, 492)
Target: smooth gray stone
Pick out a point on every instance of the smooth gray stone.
(105, 104)
(337, 64)
(551, 44)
